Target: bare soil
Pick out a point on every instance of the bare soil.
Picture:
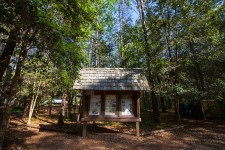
(44, 134)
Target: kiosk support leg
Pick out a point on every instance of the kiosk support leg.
(137, 129)
(84, 132)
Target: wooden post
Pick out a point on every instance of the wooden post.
(134, 104)
(137, 129)
(84, 132)
(138, 113)
(138, 105)
(102, 105)
(118, 108)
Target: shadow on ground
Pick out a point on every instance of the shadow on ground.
(196, 134)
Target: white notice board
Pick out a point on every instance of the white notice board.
(110, 105)
(126, 105)
(95, 105)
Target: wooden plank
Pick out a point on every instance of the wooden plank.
(112, 119)
(110, 92)
(102, 105)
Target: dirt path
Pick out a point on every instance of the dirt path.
(204, 135)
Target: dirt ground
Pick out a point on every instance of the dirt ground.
(194, 134)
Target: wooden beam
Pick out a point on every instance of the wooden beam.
(112, 92)
(111, 119)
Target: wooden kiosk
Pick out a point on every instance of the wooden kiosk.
(111, 94)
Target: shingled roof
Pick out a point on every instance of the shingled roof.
(111, 79)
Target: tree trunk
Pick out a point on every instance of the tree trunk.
(26, 108)
(144, 101)
(62, 111)
(162, 103)
(121, 41)
(50, 108)
(177, 107)
(6, 86)
(156, 114)
(198, 72)
(70, 104)
(64, 102)
(170, 104)
(7, 52)
(155, 107)
(31, 110)
(4, 117)
(23, 54)
(33, 102)
(96, 46)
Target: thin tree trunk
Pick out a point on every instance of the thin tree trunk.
(62, 111)
(144, 100)
(121, 20)
(170, 105)
(26, 108)
(162, 103)
(177, 98)
(155, 107)
(30, 110)
(50, 108)
(33, 102)
(177, 107)
(198, 72)
(70, 104)
(64, 102)
(97, 52)
(156, 114)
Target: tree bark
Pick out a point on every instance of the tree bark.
(22, 58)
(7, 52)
(6, 86)
(4, 117)
(70, 104)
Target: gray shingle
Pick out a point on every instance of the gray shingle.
(111, 79)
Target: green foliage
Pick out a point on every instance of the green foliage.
(185, 57)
